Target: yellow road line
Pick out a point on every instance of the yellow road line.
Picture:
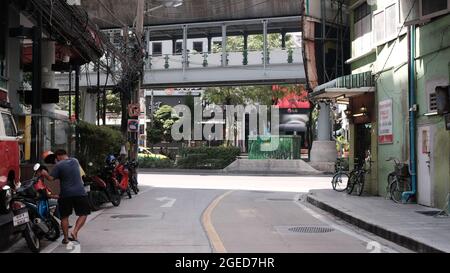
(211, 232)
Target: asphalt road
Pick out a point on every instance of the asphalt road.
(210, 213)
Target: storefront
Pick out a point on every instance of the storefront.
(357, 92)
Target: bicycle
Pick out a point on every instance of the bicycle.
(398, 180)
(357, 177)
(340, 177)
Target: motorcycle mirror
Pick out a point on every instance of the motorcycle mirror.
(36, 167)
(90, 164)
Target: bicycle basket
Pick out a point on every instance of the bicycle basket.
(402, 169)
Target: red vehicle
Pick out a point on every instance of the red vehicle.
(9, 148)
(121, 173)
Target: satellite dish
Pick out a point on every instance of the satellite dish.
(371, 2)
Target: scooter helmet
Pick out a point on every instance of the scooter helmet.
(111, 159)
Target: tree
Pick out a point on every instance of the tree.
(255, 42)
(162, 125)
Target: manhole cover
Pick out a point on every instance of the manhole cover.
(127, 216)
(311, 229)
(429, 212)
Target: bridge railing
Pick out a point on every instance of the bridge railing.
(235, 58)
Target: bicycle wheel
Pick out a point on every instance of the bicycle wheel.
(395, 191)
(359, 185)
(340, 181)
(351, 183)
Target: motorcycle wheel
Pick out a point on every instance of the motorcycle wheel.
(54, 232)
(93, 201)
(115, 197)
(134, 185)
(31, 238)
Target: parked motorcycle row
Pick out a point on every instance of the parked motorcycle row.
(114, 181)
(34, 214)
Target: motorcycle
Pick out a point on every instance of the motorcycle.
(15, 220)
(121, 173)
(42, 212)
(132, 167)
(102, 189)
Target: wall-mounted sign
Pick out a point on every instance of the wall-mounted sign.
(134, 110)
(385, 125)
(133, 125)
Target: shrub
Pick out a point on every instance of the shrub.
(151, 162)
(96, 142)
(207, 157)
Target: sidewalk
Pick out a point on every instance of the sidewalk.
(399, 223)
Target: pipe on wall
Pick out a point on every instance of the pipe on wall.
(412, 112)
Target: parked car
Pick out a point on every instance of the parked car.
(145, 152)
(9, 169)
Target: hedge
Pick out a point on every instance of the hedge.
(207, 157)
(151, 162)
(96, 142)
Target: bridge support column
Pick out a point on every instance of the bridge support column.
(323, 152)
(224, 45)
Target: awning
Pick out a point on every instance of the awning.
(344, 87)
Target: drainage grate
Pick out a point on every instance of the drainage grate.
(280, 199)
(311, 229)
(126, 216)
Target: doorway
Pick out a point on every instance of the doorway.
(362, 142)
(424, 165)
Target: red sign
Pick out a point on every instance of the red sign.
(134, 110)
(133, 125)
(385, 124)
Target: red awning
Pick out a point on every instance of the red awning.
(60, 52)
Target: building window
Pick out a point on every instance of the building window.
(198, 47)
(362, 42)
(157, 49)
(10, 129)
(429, 9)
(385, 24)
(217, 46)
(178, 47)
(361, 11)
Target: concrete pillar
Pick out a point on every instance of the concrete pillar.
(224, 45)
(48, 81)
(324, 149)
(324, 124)
(88, 105)
(13, 62)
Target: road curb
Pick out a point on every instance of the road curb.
(390, 235)
(220, 172)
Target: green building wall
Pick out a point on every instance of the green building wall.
(433, 64)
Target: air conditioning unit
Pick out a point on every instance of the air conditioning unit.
(74, 2)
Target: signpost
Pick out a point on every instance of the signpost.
(385, 127)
